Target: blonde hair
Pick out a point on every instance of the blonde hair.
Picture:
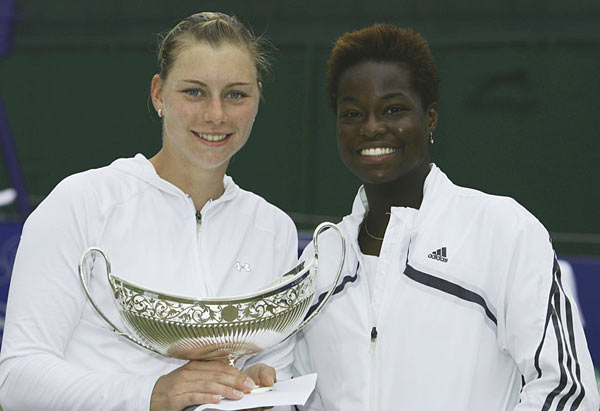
(215, 29)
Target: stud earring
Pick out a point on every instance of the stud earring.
(159, 112)
(431, 137)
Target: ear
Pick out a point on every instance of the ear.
(432, 117)
(156, 92)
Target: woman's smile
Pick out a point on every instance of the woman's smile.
(212, 139)
(378, 152)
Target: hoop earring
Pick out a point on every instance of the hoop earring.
(431, 137)
(159, 112)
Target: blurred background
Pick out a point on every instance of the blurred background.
(518, 110)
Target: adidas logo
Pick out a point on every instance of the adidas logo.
(439, 254)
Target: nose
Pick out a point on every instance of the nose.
(372, 127)
(215, 112)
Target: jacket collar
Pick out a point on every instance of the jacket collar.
(140, 167)
(436, 186)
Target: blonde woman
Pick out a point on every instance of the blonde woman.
(175, 222)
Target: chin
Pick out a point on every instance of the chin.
(375, 178)
(386, 176)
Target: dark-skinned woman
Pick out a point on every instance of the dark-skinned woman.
(450, 299)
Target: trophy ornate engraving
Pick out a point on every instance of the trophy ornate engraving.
(219, 327)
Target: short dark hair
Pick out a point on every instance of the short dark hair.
(385, 43)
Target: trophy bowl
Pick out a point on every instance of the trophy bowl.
(218, 327)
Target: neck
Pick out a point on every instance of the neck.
(403, 192)
(200, 184)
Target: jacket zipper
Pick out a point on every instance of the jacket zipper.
(198, 221)
(373, 340)
(372, 352)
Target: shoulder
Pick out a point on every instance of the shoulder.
(97, 189)
(266, 215)
(76, 189)
(502, 209)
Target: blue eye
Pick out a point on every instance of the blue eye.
(194, 92)
(236, 95)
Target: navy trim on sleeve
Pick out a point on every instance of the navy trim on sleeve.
(565, 337)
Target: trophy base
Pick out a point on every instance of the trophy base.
(199, 349)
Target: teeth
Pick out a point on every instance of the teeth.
(377, 151)
(212, 137)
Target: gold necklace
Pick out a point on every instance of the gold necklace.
(369, 234)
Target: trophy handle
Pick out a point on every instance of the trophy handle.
(82, 277)
(316, 234)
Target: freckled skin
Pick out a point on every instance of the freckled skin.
(225, 102)
(378, 107)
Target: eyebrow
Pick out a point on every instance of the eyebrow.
(200, 83)
(393, 95)
(384, 97)
(347, 98)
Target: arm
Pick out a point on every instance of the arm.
(44, 307)
(543, 331)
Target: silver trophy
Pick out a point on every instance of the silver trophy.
(215, 328)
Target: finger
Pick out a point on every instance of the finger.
(217, 367)
(267, 376)
(207, 387)
(212, 366)
(264, 375)
(199, 376)
(191, 398)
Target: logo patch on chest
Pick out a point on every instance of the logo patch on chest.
(243, 266)
(439, 254)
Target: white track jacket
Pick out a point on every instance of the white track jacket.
(468, 313)
(57, 353)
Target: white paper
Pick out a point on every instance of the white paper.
(289, 392)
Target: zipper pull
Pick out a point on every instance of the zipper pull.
(373, 340)
(198, 220)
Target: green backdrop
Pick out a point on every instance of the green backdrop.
(518, 111)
